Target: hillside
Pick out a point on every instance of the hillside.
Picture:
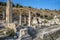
(35, 12)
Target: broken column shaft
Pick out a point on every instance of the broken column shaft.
(29, 19)
(9, 12)
(20, 18)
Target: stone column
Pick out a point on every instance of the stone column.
(3, 15)
(20, 18)
(9, 12)
(9, 23)
(29, 19)
(22, 32)
(25, 19)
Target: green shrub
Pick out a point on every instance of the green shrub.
(49, 18)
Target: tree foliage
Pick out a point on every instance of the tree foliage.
(29, 7)
(18, 5)
(3, 3)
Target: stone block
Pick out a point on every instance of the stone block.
(51, 33)
(12, 26)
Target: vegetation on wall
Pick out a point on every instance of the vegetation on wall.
(49, 18)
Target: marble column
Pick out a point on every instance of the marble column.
(3, 15)
(22, 32)
(29, 19)
(25, 19)
(9, 12)
(9, 23)
(20, 18)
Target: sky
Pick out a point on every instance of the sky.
(45, 4)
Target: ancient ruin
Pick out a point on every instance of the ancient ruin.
(28, 26)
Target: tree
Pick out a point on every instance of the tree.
(49, 18)
(3, 3)
(41, 9)
(37, 14)
(13, 5)
(59, 9)
(21, 6)
(29, 7)
(55, 9)
(0, 3)
(17, 5)
(46, 9)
